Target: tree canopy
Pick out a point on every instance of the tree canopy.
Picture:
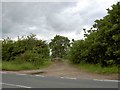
(102, 41)
(25, 49)
(59, 46)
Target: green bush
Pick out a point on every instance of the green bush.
(102, 42)
(75, 52)
(31, 57)
(27, 49)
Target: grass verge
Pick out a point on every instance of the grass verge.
(98, 69)
(0, 65)
(15, 66)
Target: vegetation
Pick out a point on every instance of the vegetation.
(14, 65)
(102, 42)
(0, 64)
(59, 46)
(98, 52)
(96, 68)
(28, 52)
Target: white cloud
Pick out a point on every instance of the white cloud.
(46, 19)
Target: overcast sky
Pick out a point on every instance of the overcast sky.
(46, 19)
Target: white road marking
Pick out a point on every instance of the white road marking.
(16, 85)
(97, 80)
(40, 75)
(107, 80)
(112, 80)
(68, 78)
(20, 74)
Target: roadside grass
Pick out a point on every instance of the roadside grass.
(94, 68)
(15, 66)
(98, 69)
(0, 64)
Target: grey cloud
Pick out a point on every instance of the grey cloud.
(48, 18)
(17, 16)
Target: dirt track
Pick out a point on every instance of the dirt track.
(60, 69)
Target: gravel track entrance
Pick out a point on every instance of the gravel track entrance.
(64, 69)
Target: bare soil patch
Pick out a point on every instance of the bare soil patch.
(63, 69)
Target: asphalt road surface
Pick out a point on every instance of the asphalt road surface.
(12, 80)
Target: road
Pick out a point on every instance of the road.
(12, 80)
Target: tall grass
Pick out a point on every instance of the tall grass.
(12, 65)
(96, 68)
(0, 64)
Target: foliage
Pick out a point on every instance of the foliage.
(15, 65)
(96, 68)
(102, 41)
(26, 49)
(59, 46)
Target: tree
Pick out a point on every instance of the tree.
(59, 46)
(109, 35)
(25, 49)
(102, 41)
(75, 54)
